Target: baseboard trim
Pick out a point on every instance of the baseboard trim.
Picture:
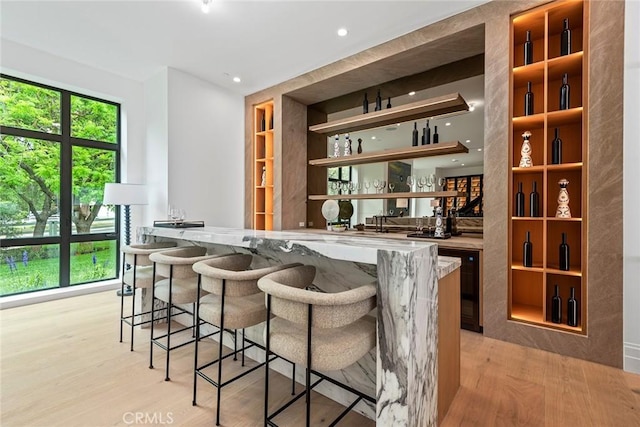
(58, 293)
(632, 357)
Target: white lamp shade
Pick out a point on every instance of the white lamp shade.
(125, 194)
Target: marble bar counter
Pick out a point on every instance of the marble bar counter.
(417, 301)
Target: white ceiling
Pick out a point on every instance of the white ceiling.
(263, 42)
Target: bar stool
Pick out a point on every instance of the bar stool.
(233, 302)
(322, 331)
(140, 275)
(178, 285)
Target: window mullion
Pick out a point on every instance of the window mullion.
(65, 206)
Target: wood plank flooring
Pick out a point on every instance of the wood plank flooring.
(62, 365)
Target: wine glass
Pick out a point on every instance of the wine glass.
(376, 185)
(430, 182)
(367, 185)
(410, 181)
(359, 187)
(442, 182)
(423, 182)
(383, 185)
(391, 187)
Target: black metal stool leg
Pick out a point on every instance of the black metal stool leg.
(196, 315)
(122, 295)
(243, 344)
(166, 377)
(235, 344)
(266, 364)
(133, 297)
(309, 366)
(153, 315)
(224, 284)
(293, 380)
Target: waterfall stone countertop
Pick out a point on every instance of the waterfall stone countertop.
(344, 246)
(403, 370)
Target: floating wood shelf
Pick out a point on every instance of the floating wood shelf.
(374, 196)
(393, 154)
(416, 110)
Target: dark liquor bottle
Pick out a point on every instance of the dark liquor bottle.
(519, 201)
(359, 145)
(263, 123)
(527, 252)
(528, 101)
(556, 306)
(556, 149)
(528, 50)
(414, 140)
(436, 137)
(572, 309)
(564, 92)
(534, 201)
(389, 103)
(565, 39)
(378, 102)
(426, 134)
(365, 105)
(271, 122)
(564, 253)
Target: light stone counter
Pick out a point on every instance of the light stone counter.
(404, 365)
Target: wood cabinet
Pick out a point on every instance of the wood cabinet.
(263, 166)
(469, 188)
(531, 288)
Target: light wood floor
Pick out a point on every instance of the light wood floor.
(62, 365)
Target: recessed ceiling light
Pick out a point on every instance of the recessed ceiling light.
(205, 6)
(237, 79)
(397, 124)
(472, 106)
(448, 124)
(373, 137)
(468, 141)
(342, 32)
(461, 164)
(479, 149)
(454, 160)
(412, 93)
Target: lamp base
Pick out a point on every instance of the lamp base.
(128, 291)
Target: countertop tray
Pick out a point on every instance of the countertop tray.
(178, 224)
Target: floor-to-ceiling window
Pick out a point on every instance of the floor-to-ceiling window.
(57, 150)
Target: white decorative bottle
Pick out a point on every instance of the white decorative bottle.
(439, 232)
(347, 145)
(336, 147)
(264, 176)
(525, 151)
(563, 210)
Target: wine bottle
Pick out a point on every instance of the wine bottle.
(564, 253)
(572, 309)
(426, 134)
(534, 201)
(564, 92)
(556, 149)
(263, 123)
(365, 105)
(528, 101)
(271, 122)
(414, 141)
(436, 137)
(528, 50)
(556, 306)
(378, 102)
(565, 39)
(389, 103)
(527, 252)
(519, 201)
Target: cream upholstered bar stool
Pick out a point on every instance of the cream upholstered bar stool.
(139, 275)
(175, 283)
(322, 331)
(232, 302)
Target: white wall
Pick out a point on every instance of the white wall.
(631, 193)
(22, 61)
(206, 150)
